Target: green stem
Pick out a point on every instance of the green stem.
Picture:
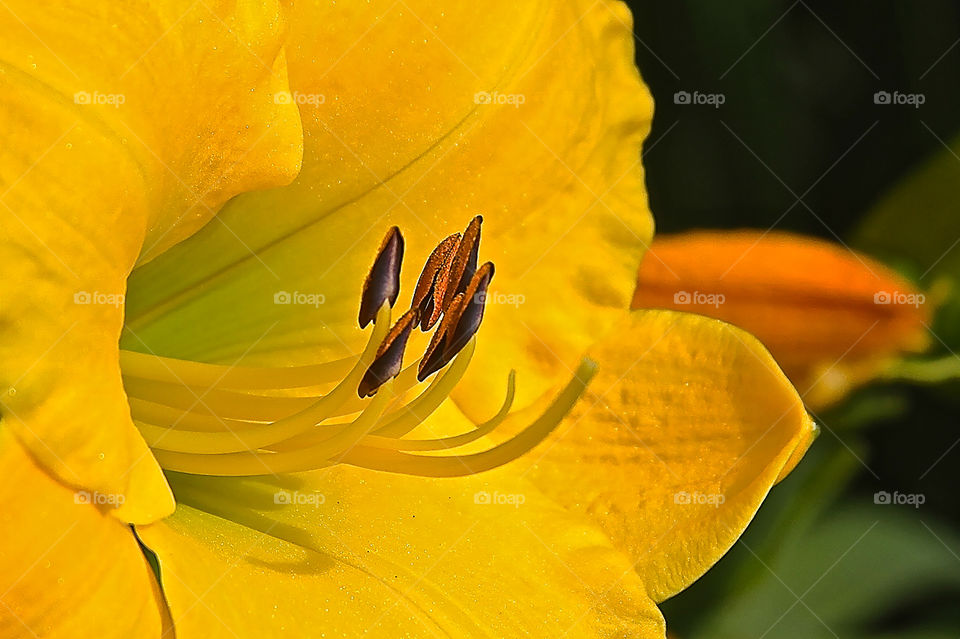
(929, 371)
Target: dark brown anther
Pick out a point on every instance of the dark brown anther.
(383, 281)
(424, 296)
(434, 306)
(470, 311)
(389, 358)
(435, 356)
(464, 262)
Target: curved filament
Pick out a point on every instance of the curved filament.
(241, 464)
(455, 441)
(460, 465)
(211, 443)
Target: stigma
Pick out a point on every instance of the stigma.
(267, 421)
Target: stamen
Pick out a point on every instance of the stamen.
(448, 270)
(241, 464)
(209, 419)
(183, 372)
(470, 311)
(149, 412)
(383, 281)
(454, 441)
(419, 409)
(221, 403)
(194, 410)
(425, 295)
(208, 443)
(433, 359)
(386, 365)
(464, 262)
(456, 466)
(401, 421)
(461, 321)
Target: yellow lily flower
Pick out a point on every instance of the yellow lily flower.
(318, 486)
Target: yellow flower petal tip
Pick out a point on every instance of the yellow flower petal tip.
(833, 318)
(685, 428)
(807, 437)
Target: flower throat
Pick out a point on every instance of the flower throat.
(209, 419)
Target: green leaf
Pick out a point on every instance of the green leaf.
(916, 227)
(918, 220)
(786, 517)
(852, 570)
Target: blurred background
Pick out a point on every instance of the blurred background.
(838, 120)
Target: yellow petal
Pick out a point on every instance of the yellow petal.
(684, 430)
(124, 131)
(833, 318)
(67, 568)
(357, 551)
(396, 134)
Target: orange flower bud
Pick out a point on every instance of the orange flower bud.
(833, 318)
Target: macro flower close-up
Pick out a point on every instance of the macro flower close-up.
(338, 320)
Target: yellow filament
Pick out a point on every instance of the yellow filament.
(231, 406)
(422, 407)
(438, 390)
(403, 382)
(222, 403)
(455, 441)
(183, 372)
(168, 417)
(248, 463)
(210, 443)
(455, 466)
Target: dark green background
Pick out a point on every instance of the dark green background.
(800, 120)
